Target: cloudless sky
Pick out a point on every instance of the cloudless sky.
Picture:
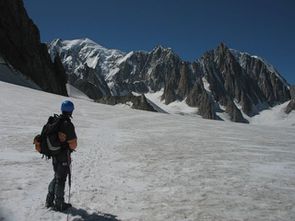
(265, 28)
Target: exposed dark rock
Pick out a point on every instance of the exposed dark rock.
(292, 92)
(11, 75)
(220, 79)
(227, 79)
(234, 113)
(244, 79)
(138, 102)
(246, 104)
(198, 97)
(169, 94)
(141, 103)
(93, 85)
(20, 45)
(89, 89)
(272, 88)
(185, 82)
(290, 107)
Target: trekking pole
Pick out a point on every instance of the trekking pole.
(70, 180)
(70, 172)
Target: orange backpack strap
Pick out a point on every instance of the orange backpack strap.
(37, 143)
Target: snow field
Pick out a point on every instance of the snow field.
(137, 165)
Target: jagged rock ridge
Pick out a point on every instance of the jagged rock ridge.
(222, 80)
(291, 106)
(135, 102)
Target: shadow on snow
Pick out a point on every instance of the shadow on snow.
(85, 216)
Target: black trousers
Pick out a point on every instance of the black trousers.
(56, 188)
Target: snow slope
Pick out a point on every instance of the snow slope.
(137, 165)
(176, 107)
(275, 116)
(76, 93)
(10, 75)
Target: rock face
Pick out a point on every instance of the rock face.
(291, 105)
(94, 86)
(222, 80)
(86, 64)
(292, 92)
(20, 45)
(198, 97)
(242, 79)
(136, 102)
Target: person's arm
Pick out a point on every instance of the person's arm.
(72, 144)
(68, 134)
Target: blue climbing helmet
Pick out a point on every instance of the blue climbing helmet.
(67, 106)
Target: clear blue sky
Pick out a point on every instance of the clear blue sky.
(265, 28)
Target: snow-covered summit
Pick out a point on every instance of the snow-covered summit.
(77, 53)
(98, 71)
(163, 51)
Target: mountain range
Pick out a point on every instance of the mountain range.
(222, 83)
(223, 80)
(139, 165)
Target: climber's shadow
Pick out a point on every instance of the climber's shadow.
(85, 216)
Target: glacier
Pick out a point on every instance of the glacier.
(138, 165)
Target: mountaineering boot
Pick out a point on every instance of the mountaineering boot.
(50, 195)
(49, 200)
(49, 204)
(62, 206)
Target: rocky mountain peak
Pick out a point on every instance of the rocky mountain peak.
(222, 47)
(160, 51)
(160, 48)
(20, 45)
(221, 81)
(57, 42)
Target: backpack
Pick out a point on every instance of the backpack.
(50, 144)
